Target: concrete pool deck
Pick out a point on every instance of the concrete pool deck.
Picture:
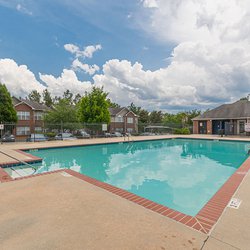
(58, 212)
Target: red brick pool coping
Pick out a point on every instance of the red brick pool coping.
(203, 221)
(32, 159)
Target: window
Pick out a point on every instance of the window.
(119, 130)
(23, 115)
(23, 130)
(119, 119)
(38, 129)
(241, 127)
(38, 116)
(130, 120)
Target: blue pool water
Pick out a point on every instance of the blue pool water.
(182, 174)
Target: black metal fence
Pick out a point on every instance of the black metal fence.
(25, 132)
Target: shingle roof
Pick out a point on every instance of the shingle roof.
(239, 109)
(115, 111)
(15, 100)
(32, 104)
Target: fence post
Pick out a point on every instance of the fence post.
(1, 128)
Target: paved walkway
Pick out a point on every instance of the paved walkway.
(58, 212)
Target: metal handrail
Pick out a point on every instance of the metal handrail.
(23, 162)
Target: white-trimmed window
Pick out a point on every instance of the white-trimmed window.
(118, 119)
(23, 130)
(38, 116)
(130, 120)
(38, 129)
(119, 130)
(23, 115)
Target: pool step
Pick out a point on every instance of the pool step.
(19, 171)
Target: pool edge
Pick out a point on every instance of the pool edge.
(203, 221)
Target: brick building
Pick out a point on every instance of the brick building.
(123, 120)
(30, 117)
(231, 119)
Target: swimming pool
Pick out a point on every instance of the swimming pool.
(182, 174)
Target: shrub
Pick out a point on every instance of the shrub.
(182, 131)
(50, 134)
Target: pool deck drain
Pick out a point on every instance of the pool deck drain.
(205, 219)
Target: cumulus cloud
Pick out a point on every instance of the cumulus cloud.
(128, 82)
(191, 20)
(209, 65)
(149, 3)
(67, 80)
(20, 80)
(72, 48)
(89, 69)
(87, 52)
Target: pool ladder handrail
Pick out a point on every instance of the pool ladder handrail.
(23, 162)
(128, 136)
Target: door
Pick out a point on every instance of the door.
(202, 127)
(241, 127)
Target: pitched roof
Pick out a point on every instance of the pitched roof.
(15, 100)
(115, 111)
(239, 109)
(32, 104)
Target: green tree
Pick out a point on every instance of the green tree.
(113, 104)
(93, 107)
(57, 99)
(182, 118)
(35, 96)
(171, 119)
(156, 117)
(192, 114)
(62, 113)
(47, 99)
(143, 116)
(77, 99)
(132, 107)
(68, 96)
(7, 110)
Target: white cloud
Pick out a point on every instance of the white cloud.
(191, 20)
(87, 52)
(90, 50)
(18, 78)
(131, 83)
(67, 80)
(149, 3)
(89, 69)
(209, 65)
(23, 9)
(72, 48)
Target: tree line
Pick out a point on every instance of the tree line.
(91, 107)
(183, 118)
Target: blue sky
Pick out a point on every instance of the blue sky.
(38, 39)
(160, 54)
